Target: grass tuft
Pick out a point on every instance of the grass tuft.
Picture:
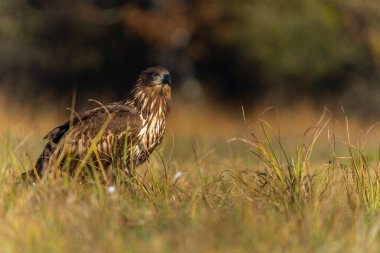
(271, 192)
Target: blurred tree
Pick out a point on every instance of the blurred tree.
(54, 46)
(242, 50)
(301, 46)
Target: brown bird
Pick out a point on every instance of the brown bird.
(124, 132)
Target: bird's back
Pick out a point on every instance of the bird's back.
(105, 127)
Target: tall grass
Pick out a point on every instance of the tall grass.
(270, 194)
(361, 175)
(287, 179)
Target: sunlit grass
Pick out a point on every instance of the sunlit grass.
(266, 190)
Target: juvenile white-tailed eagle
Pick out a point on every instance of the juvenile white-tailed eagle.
(123, 132)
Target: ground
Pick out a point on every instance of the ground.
(294, 181)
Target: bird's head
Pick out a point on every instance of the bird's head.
(158, 77)
(153, 88)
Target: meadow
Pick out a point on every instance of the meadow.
(272, 180)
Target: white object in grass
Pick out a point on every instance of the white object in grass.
(177, 175)
(111, 189)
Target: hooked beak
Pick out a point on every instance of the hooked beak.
(166, 79)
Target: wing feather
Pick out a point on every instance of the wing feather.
(124, 118)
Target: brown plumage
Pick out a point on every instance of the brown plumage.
(124, 132)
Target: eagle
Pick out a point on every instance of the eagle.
(119, 133)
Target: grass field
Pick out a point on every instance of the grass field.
(295, 180)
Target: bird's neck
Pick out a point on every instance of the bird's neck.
(152, 102)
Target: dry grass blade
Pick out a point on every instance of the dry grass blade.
(287, 179)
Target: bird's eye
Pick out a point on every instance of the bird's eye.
(155, 76)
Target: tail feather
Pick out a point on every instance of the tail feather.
(42, 161)
(44, 158)
(54, 137)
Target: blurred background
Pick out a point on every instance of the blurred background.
(222, 54)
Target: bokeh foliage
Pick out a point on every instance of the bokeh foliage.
(243, 50)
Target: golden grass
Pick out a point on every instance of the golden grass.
(290, 182)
